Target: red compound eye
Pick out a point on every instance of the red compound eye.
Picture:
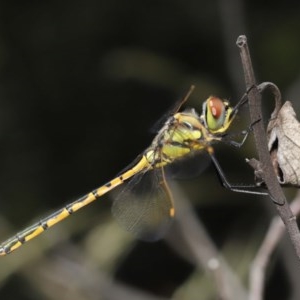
(216, 107)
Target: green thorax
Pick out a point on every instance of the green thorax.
(187, 132)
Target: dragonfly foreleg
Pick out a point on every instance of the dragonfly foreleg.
(227, 138)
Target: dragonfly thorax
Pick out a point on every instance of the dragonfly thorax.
(187, 131)
(183, 133)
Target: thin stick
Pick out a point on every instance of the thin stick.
(260, 137)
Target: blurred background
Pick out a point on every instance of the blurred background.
(82, 85)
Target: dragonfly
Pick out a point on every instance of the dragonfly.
(149, 215)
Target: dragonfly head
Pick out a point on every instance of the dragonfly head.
(217, 115)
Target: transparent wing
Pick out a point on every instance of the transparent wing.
(145, 206)
(191, 166)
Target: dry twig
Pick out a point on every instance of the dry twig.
(260, 137)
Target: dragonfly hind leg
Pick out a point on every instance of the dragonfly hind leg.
(247, 189)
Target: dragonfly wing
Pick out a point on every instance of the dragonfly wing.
(145, 207)
(189, 167)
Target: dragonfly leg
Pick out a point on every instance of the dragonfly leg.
(244, 99)
(227, 138)
(248, 189)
